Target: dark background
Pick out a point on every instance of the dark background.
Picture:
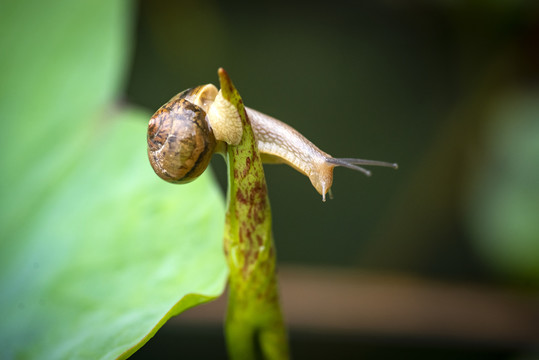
(423, 84)
(408, 83)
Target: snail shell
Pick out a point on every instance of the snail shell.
(180, 141)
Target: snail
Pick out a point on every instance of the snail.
(198, 122)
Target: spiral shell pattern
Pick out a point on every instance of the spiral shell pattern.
(180, 141)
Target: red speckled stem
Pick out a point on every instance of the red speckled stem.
(254, 324)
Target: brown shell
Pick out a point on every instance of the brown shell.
(180, 142)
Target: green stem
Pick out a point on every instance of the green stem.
(254, 325)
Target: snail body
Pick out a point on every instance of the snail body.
(187, 130)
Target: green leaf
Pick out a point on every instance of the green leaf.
(62, 70)
(111, 254)
(96, 252)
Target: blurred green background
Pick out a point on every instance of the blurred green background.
(447, 89)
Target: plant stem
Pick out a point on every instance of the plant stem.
(254, 325)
